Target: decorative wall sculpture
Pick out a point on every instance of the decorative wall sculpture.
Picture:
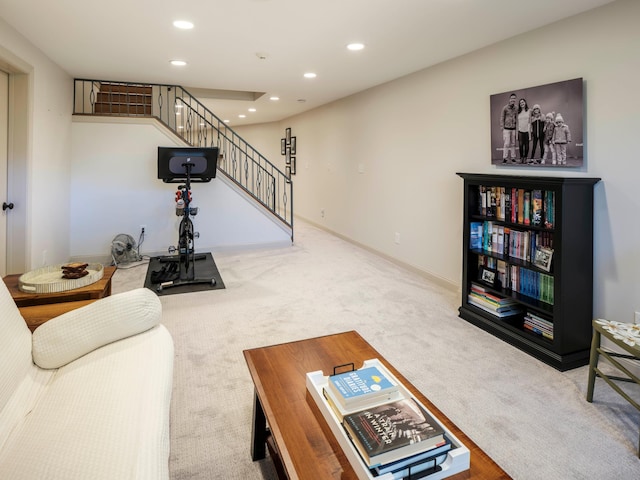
(288, 149)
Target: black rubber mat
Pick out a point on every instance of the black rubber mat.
(164, 279)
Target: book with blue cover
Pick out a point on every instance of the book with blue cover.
(361, 386)
(476, 235)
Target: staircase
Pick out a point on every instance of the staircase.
(190, 120)
(123, 99)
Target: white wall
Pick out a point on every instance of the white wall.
(48, 155)
(268, 136)
(115, 190)
(411, 136)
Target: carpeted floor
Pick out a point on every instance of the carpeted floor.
(533, 420)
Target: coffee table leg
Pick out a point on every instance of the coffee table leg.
(259, 431)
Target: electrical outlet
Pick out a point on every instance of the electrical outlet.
(397, 239)
(636, 317)
(322, 213)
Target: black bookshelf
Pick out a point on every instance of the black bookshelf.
(571, 235)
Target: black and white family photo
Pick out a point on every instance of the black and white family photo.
(538, 126)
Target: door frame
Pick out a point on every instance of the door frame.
(4, 140)
(18, 155)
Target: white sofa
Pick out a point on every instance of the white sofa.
(87, 395)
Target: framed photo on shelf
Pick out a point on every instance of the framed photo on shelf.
(488, 276)
(542, 258)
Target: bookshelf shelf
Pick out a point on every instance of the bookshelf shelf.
(554, 324)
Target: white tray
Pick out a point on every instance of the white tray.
(49, 279)
(458, 458)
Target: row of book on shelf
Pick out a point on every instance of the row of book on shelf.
(532, 283)
(517, 205)
(394, 435)
(523, 244)
(502, 307)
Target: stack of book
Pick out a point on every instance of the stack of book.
(538, 325)
(392, 434)
(394, 437)
(493, 303)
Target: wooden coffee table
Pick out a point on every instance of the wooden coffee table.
(37, 308)
(287, 420)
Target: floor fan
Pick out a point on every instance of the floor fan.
(124, 249)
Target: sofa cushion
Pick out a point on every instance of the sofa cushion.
(22, 401)
(76, 333)
(104, 416)
(15, 347)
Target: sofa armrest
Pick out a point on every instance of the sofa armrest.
(74, 334)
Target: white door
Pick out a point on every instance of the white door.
(4, 126)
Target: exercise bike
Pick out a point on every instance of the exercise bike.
(182, 262)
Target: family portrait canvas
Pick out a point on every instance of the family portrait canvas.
(538, 126)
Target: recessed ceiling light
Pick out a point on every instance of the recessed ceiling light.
(178, 63)
(180, 127)
(355, 46)
(226, 121)
(274, 98)
(242, 115)
(252, 109)
(183, 24)
(310, 75)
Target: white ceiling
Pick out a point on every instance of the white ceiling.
(134, 40)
